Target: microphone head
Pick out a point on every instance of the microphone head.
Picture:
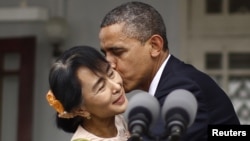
(181, 102)
(142, 103)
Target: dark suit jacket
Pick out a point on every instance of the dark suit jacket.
(214, 106)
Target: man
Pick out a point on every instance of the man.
(133, 38)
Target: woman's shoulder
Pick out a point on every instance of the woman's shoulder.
(81, 135)
(120, 121)
(122, 127)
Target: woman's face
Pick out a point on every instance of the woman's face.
(103, 94)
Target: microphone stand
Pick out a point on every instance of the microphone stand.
(136, 132)
(175, 129)
(175, 133)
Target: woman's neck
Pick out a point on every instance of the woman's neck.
(104, 128)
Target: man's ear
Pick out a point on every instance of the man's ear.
(156, 43)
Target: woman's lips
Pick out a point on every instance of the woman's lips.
(120, 100)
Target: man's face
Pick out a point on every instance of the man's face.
(128, 56)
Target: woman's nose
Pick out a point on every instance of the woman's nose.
(116, 87)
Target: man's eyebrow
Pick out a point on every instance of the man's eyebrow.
(111, 48)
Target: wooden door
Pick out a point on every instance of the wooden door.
(17, 57)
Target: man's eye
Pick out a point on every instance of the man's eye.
(117, 51)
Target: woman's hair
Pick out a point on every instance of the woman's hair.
(65, 84)
(141, 21)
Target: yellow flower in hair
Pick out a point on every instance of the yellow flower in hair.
(54, 102)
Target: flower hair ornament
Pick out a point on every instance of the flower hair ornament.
(57, 105)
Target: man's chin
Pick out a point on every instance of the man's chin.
(127, 88)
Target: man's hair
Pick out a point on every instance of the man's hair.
(141, 21)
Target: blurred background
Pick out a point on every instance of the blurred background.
(213, 35)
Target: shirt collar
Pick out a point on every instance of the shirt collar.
(157, 77)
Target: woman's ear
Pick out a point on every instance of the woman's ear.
(83, 112)
(156, 43)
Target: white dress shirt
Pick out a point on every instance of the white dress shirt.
(157, 77)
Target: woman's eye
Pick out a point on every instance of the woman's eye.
(101, 87)
(111, 74)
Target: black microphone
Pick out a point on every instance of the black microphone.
(178, 111)
(142, 112)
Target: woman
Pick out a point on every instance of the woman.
(88, 96)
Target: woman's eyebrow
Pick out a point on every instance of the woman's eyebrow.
(108, 68)
(99, 80)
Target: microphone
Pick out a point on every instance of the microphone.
(178, 112)
(142, 112)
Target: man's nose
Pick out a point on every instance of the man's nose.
(111, 61)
